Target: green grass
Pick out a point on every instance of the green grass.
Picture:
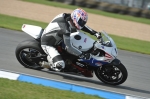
(130, 44)
(16, 23)
(94, 11)
(11, 89)
(121, 42)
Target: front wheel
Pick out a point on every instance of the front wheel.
(112, 74)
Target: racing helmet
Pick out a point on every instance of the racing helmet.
(79, 18)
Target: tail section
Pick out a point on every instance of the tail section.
(32, 30)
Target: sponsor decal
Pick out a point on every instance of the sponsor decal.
(116, 50)
(79, 64)
(85, 40)
(24, 26)
(98, 64)
(102, 47)
(80, 59)
(108, 55)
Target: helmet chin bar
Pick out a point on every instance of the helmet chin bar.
(72, 23)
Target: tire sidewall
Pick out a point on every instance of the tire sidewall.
(122, 68)
(28, 44)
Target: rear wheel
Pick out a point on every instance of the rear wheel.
(113, 75)
(26, 51)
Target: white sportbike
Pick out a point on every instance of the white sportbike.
(103, 53)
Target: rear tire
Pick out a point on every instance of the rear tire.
(113, 75)
(27, 49)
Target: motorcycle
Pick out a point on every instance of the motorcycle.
(103, 61)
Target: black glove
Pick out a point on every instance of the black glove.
(86, 56)
(98, 35)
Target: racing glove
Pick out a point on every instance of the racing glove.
(98, 35)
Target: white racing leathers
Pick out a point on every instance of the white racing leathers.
(59, 28)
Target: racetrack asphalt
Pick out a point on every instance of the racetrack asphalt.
(138, 66)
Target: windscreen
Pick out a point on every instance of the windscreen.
(107, 40)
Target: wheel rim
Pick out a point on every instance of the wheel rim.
(110, 74)
(26, 56)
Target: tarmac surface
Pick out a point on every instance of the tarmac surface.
(138, 67)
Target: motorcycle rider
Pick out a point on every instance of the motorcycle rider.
(60, 28)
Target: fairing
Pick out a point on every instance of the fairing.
(106, 45)
(81, 41)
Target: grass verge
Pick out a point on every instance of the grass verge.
(94, 11)
(11, 89)
(121, 42)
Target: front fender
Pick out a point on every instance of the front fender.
(116, 62)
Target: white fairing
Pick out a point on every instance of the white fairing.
(32, 30)
(84, 43)
(106, 49)
(110, 50)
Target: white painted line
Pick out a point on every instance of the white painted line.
(132, 97)
(11, 76)
(16, 74)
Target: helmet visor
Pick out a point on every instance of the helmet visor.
(81, 22)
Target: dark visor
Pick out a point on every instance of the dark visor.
(81, 22)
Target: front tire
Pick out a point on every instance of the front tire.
(112, 74)
(27, 49)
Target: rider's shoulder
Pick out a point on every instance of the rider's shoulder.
(60, 15)
(66, 14)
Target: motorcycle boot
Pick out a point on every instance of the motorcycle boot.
(54, 58)
(55, 63)
(59, 65)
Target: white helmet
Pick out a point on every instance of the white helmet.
(79, 18)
